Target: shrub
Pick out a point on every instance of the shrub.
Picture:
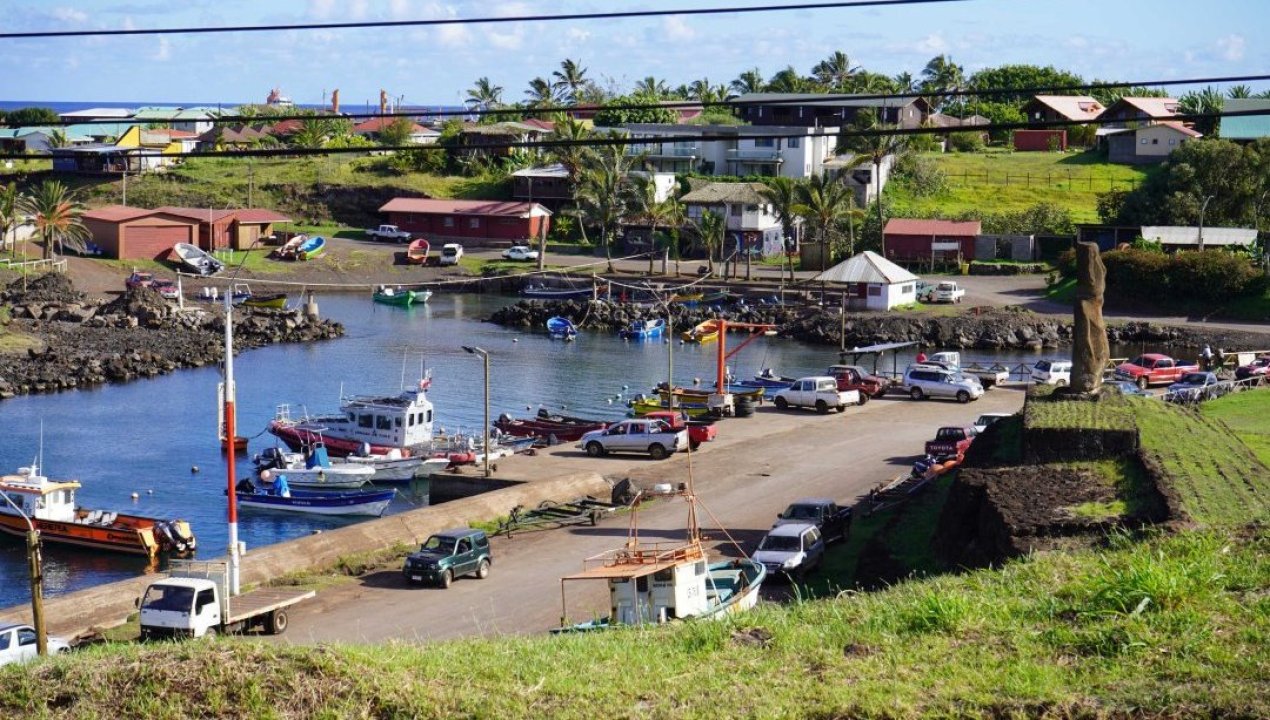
(1207, 275)
(971, 141)
(921, 175)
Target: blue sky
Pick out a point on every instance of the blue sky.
(1128, 39)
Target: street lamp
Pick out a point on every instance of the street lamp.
(1202, 208)
(35, 568)
(485, 360)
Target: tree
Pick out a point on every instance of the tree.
(750, 81)
(10, 211)
(655, 211)
(55, 212)
(835, 71)
(570, 79)
(940, 77)
(703, 91)
(542, 93)
(1238, 91)
(1023, 78)
(652, 87)
(397, 132)
(603, 195)
(314, 132)
(904, 82)
(484, 95)
(789, 81)
(782, 194)
(610, 115)
(1198, 102)
(573, 155)
(710, 228)
(877, 145)
(823, 202)
(32, 116)
(57, 138)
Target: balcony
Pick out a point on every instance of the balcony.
(662, 151)
(756, 156)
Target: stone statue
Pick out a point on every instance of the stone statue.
(1089, 344)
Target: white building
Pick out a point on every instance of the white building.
(873, 282)
(751, 225)
(792, 152)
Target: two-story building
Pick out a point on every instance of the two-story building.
(793, 152)
(750, 225)
(823, 110)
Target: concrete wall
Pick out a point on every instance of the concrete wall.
(107, 605)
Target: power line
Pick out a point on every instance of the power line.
(682, 104)
(622, 14)
(615, 139)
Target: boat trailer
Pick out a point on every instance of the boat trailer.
(582, 511)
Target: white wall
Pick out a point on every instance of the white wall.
(891, 295)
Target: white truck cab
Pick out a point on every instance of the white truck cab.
(820, 392)
(194, 602)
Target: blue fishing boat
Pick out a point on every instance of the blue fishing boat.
(643, 330)
(280, 497)
(562, 328)
(311, 248)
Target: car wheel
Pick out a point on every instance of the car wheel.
(864, 398)
(1143, 383)
(447, 577)
(277, 623)
(963, 397)
(482, 570)
(842, 408)
(210, 632)
(657, 452)
(782, 403)
(694, 444)
(822, 407)
(594, 449)
(916, 394)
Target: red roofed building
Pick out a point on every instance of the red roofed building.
(419, 135)
(137, 233)
(474, 221)
(911, 240)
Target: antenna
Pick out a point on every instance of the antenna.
(40, 464)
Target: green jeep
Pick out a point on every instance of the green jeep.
(447, 555)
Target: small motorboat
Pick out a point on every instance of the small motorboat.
(545, 292)
(687, 298)
(196, 260)
(643, 329)
(700, 394)
(311, 248)
(693, 408)
(245, 297)
(312, 471)
(288, 249)
(769, 378)
(562, 328)
(398, 296)
(703, 333)
(546, 426)
(390, 467)
(358, 502)
(417, 252)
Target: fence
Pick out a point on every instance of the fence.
(1051, 180)
(57, 264)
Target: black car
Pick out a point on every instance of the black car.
(833, 521)
(448, 555)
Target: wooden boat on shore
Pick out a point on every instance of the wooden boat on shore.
(561, 328)
(643, 329)
(51, 506)
(363, 502)
(705, 332)
(275, 301)
(311, 248)
(196, 260)
(701, 394)
(545, 426)
(641, 406)
(417, 252)
(691, 298)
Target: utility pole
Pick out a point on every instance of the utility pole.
(125, 187)
(1202, 208)
(35, 569)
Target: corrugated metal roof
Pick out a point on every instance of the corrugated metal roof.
(464, 207)
(867, 267)
(1155, 107)
(116, 213)
(1246, 127)
(913, 226)
(1072, 107)
(547, 171)
(823, 99)
(1183, 235)
(717, 193)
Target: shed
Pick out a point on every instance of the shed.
(1176, 237)
(912, 240)
(480, 221)
(873, 282)
(128, 233)
(1148, 144)
(1019, 248)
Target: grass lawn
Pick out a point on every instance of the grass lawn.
(1107, 414)
(1002, 180)
(1246, 414)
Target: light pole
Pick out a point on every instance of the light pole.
(36, 570)
(1202, 208)
(485, 360)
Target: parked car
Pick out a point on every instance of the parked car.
(850, 377)
(1052, 372)
(139, 279)
(392, 233)
(699, 431)
(930, 381)
(166, 288)
(992, 376)
(520, 252)
(820, 392)
(1257, 368)
(654, 437)
(1126, 388)
(792, 550)
(883, 382)
(983, 421)
(18, 644)
(1194, 386)
(448, 555)
(1153, 369)
(946, 291)
(451, 253)
(832, 520)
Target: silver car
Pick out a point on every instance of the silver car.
(932, 381)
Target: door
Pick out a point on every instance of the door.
(27, 647)
(151, 242)
(464, 557)
(615, 438)
(636, 437)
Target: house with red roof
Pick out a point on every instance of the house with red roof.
(1149, 143)
(374, 127)
(128, 233)
(909, 240)
(478, 222)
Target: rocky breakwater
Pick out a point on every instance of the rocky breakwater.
(975, 328)
(76, 342)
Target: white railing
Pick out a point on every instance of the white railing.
(58, 264)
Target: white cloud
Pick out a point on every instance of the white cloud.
(577, 34)
(399, 9)
(676, 28)
(505, 40)
(933, 43)
(66, 14)
(357, 9)
(1231, 47)
(163, 51)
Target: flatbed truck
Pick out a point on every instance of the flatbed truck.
(194, 601)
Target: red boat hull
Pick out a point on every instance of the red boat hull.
(563, 431)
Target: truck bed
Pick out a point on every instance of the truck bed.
(262, 601)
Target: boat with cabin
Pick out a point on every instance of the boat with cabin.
(365, 425)
(50, 504)
(643, 329)
(196, 260)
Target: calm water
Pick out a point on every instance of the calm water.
(145, 436)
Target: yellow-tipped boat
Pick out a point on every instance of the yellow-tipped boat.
(706, 332)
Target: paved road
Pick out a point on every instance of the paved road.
(744, 478)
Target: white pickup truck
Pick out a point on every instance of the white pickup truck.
(194, 601)
(947, 291)
(820, 392)
(391, 233)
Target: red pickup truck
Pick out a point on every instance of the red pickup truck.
(852, 377)
(699, 431)
(1153, 369)
(951, 440)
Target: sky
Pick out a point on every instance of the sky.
(1124, 40)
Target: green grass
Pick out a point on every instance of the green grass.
(1172, 626)
(1245, 413)
(1002, 180)
(1110, 413)
(1216, 476)
(1063, 291)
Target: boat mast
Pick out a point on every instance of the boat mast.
(230, 430)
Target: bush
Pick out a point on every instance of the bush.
(966, 141)
(1208, 275)
(921, 175)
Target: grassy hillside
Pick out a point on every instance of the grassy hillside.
(1000, 181)
(1245, 413)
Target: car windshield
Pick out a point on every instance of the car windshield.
(1194, 379)
(780, 543)
(439, 544)
(801, 512)
(168, 597)
(986, 419)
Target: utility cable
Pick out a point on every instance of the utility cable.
(437, 22)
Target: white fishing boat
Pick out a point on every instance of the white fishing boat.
(196, 260)
(312, 471)
(390, 467)
(366, 425)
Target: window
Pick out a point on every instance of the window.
(1144, 141)
(4, 640)
(793, 142)
(764, 143)
(429, 415)
(1155, 141)
(26, 636)
(448, 222)
(1172, 141)
(411, 420)
(205, 598)
(352, 417)
(734, 210)
(875, 291)
(397, 421)
(366, 421)
(474, 223)
(465, 545)
(383, 422)
(908, 289)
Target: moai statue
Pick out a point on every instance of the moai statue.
(1089, 344)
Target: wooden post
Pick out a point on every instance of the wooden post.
(37, 591)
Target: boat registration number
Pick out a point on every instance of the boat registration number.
(417, 578)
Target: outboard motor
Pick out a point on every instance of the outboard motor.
(921, 467)
(175, 536)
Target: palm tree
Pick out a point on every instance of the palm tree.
(314, 132)
(1238, 91)
(877, 145)
(655, 211)
(823, 202)
(750, 81)
(484, 95)
(572, 156)
(834, 71)
(651, 87)
(710, 227)
(782, 194)
(542, 93)
(602, 194)
(904, 82)
(55, 212)
(57, 138)
(940, 76)
(788, 81)
(1206, 101)
(10, 212)
(570, 78)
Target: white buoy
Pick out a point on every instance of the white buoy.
(149, 492)
(609, 401)
(529, 407)
(515, 340)
(193, 468)
(626, 387)
(696, 381)
(135, 496)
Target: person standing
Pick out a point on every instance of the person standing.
(921, 357)
(1206, 358)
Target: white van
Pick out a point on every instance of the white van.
(450, 253)
(1052, 372)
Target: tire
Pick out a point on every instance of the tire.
(657, 452)
(822, 407)
(917, 394)
(782, 403)
(864, 398)
(694, 444)
(842, 408)
(963, 397)
(482, 570)
(277, 622)
(1143, 382)
(594, 449)
(446, 578)
(210, 632)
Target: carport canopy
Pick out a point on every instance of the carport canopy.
(876, 351)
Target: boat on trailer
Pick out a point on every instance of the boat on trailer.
(546, 426)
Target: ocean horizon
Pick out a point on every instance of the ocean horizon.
(65, 106)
